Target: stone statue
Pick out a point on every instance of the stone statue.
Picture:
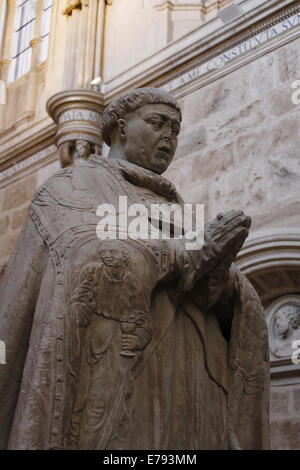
(129, 343)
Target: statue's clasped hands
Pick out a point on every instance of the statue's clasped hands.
(223, 239)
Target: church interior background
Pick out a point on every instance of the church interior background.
(233, 66)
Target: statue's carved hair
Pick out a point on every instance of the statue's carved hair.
(131, 101)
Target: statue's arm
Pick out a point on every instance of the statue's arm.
(216, 294)
(82, 299)
(19, 291)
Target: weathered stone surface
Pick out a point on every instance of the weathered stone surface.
(192, 141)
(283, 138)
(296, 398)
(263, 75)
(7, 244)
(283, 214)
(285, 175)
(2, 269)
(202, 103)
(4, 222)
(280, 402)
(210, 163)
(285, 434)
(1, 198)
(280, 101)
(244, 188)
(180, 171)
(19, 193)
(237, 122)
(18, 218)
(216, 98)
(289, 59)
(249, 147)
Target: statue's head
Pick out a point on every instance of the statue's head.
(113, 255)
(82, 148)
(145, 123)
(287, 319)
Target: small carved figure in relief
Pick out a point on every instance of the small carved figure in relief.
(286, 329)
(110, 290)
(70, 152)
(82, 149)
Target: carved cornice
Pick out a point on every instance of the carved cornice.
(37, 138)
(172, 6)
(64, 100)
(270, 251)
(284, 372)
(245, 34)
(200, 45)
(272, 264)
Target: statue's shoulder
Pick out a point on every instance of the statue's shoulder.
(77, 179)
(94, 164)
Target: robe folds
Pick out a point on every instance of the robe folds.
(66, 385)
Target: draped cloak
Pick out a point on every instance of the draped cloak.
(192, 387)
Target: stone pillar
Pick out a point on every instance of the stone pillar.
(78, 115)
(177, 17)
(212, 7)
(3, 15)
(82, 24)
(6, 41)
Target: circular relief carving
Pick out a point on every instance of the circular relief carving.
(283, 318)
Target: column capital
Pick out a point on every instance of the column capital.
(78, 115)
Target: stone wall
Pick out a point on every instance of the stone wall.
(240, 149)
(285, 412)
(14, 200)
(240, 142)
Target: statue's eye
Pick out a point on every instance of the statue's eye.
(175, 129)
(156, 123)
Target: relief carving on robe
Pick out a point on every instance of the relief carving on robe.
(127, 343)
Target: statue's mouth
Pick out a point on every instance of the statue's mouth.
(165, 149)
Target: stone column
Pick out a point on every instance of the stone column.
(178, 17)
(3, 15)
(212, 7)
(78, 115)
(7, 38)
(82, 19)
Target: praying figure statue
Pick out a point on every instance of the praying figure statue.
(128, 342)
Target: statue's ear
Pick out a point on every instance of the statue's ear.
(121, 127)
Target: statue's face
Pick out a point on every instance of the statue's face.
(112, 256)
(82, 148)
(151, 136)
(282, 321)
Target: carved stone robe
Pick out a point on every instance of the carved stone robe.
(193, 385)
